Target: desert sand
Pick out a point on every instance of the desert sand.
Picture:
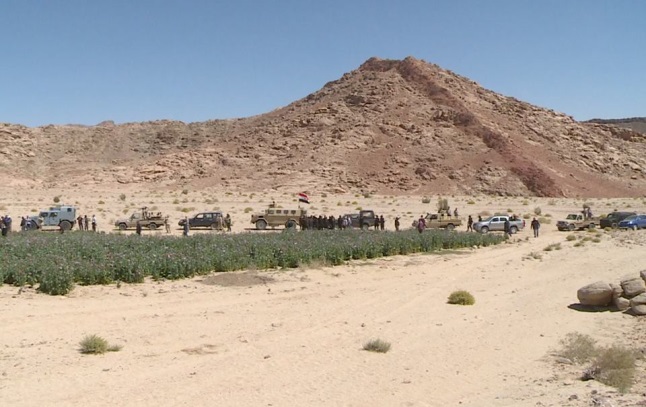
(294, 337)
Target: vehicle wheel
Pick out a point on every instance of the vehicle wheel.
(365, 226)
(450, 226)
(152, 226)
(513, 230)
(634, 227)
(214, 226)
(290, 224)
(65, 225)
(592, 226)
(261, 224)
(484, 230)
(123, 226)
(571, 227)
(615, 225)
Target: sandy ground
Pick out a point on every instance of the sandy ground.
(295, 337)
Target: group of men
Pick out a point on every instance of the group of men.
(84, 222)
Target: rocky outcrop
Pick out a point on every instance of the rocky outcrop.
(595, 294)
(629, 295)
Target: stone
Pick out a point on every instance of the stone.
(633, 286)
(638, 300)
(638, 309)
(622, 304)
(643, 275)
(598, 293)
(617, 291)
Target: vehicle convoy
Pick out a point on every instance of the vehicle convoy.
(633, 222)
(147, 219)
(613, 219)
(274, 217)
(62, 217)
(213, 220)
(496, 223)
(441, 220)
(577, 221)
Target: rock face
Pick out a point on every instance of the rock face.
(633, 286)
(595, 294)
(638, 300)
(389, 126)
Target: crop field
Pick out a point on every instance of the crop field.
(55, 262)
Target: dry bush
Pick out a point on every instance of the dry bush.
(613, 366)
(377, 345)
(461, 297)
(577, 347)
(96, 345)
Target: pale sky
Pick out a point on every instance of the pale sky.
(83, 61)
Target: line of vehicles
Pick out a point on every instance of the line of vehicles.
(63, 217)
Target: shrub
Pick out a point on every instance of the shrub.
(57, 199)
(461, 297)
(538, 211)
(613, 366)
(248, 209)
(426, 200)
(184, 191)
(553, 246)
(100, 202)
(579, 244)
(570, 238)
(577, 347)
(471, 202)
(122, 197)
(377, 345)
(525, 202)
(96, 345)
(56, 281)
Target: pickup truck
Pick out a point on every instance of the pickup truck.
(496, 223)
(577, 221)
(440, 221)
(146, 218)
(365, 219)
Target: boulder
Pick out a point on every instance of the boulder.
(633, 286)
(598, 294)
(639, 309)
(622, 304)
(638, 300)
(643, 275)
(617, 291)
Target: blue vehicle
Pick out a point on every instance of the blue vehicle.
(633, 222)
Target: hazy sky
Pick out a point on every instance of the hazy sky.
(85, 61)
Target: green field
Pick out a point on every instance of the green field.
(55, 262)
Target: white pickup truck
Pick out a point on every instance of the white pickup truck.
(496, 223)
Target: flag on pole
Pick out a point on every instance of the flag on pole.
(303, 198)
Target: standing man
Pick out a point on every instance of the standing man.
(397, 224)
(470, 224)
(382, 222)
(507, 234)
(187, 227)
(138, 228)
(227, 222)
(167, 224)
(535, 226)
(93, 223)
(86, 222)
(421, 224)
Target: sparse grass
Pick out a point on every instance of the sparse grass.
(613, 366)
(377, 345)
(553, 246)
(579, 244)
(471, 202)
(538, 211)
(96, 345)
(461, 297)
(545, 220)
(57, 199)
(175, 201)
(534, 255)
(596, 240)
(570, 238)
(122, 197)
(248, 209)
(100, 202)
(184, 191)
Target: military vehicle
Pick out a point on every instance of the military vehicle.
(613, 219)
(365, 219)
(274, 217)
(577, 221)
(147, 219)
(213, 220)
(62, 217)
(442, 220)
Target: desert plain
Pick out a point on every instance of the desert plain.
(294, 337)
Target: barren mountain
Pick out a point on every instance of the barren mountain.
(390, 127)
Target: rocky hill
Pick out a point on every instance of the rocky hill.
(390, 127)
(633, 123)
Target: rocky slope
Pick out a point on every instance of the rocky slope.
(633, 123)
(390, 127)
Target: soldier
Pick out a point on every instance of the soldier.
(421, 224)
(470, 224)
(455, 212)
(382, 222)
(321, 223)
(93, 223)
(339, 222)
(167, 224)
(187, 227)
(86, 222)
(79, 220)
(397, 223)
(332, 222)
(506, 226)
(138, 228)
(302, 222)
(535, 226)
(376, 222)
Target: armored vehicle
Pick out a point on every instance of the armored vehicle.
(147, 219)
(61, 216)
(274, 217)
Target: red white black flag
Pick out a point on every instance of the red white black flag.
(303, 198)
